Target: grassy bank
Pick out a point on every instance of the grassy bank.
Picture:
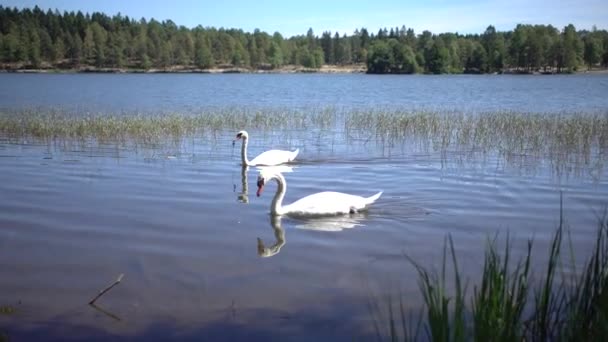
(508, 302)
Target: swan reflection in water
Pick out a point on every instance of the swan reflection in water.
(279, 235)
(332, 223)
(243, 196)
(325, 224)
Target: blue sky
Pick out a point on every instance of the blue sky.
(295, 17)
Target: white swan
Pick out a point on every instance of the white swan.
(320, 204)
(268, 158)
(243, 196)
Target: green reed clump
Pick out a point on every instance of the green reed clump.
(445, 322)
(506, 305)
(587, 298)
(498, 302)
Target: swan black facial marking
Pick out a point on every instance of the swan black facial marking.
(260, 182)
(239, 136)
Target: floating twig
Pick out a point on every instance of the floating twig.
(102, 292)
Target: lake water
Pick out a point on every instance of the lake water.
(187, 93)
(181, 220)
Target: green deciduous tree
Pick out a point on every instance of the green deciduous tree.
(478, 61)
(438, 60)
(572, 48)
(318, 57)
(593, 50)
(494, 45)
(309, 59)
(404, 59)
(380, 58)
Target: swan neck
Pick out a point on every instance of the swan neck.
(244, 152)
(277, 202)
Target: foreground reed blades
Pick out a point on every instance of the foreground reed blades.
(560, 303)
(499, 301)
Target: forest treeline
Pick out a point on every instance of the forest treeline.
(33, 38)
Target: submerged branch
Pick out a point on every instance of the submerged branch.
(102, 292)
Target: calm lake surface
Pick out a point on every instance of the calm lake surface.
(181, 220)
(187, 93)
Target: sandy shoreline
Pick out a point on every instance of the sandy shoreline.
(288, 69)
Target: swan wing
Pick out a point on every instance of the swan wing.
(274, 157)
(326, 203)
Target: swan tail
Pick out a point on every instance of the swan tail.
(294, 154)
(372, 199)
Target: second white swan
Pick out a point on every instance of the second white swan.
(319, 204)
(268, 158)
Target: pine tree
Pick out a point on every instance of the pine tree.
(202, 56)
(572, 48)
(34, 48)
(99, 44)
(88, 46)
(47, 52)
(327, 44)
(58, 49)
(276, 55)
(75, 48)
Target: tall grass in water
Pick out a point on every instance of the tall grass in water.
(508, 132)
(565, 139)
(506, 306)
(151, 127)
(512, 132)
